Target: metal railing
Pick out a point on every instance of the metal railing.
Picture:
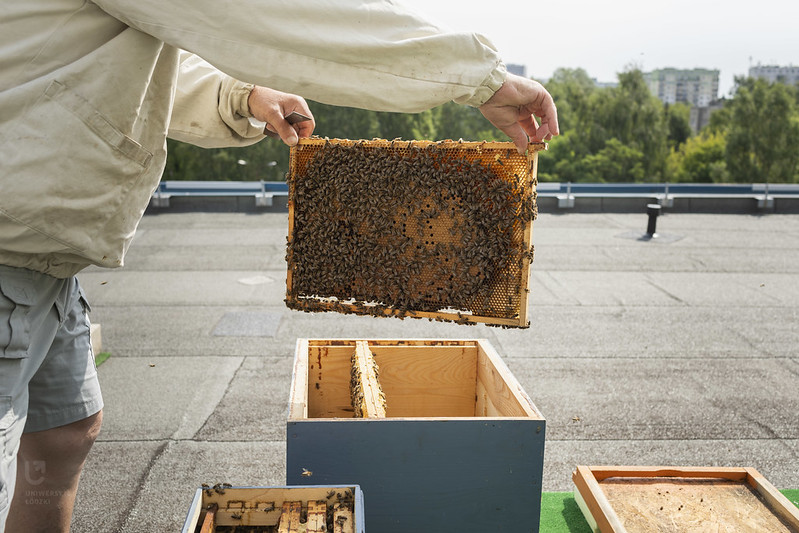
(566, 194)
(665, 193)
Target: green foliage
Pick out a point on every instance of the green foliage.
(571, 89)
(449, 121)
(251, 163)
(700, 160)
(762, 139)
(616, 134)
(678, 122)
(607, 135)
(615, 162)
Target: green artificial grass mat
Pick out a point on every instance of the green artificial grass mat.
(793, 495)
(100, 358)
(560, 514)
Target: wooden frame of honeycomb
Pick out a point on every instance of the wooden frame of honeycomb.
(438, 230)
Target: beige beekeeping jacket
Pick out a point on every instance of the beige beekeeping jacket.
(89, 91)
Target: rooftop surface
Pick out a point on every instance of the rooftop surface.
(680, 351)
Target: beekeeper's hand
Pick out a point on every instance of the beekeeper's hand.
(514, 107)
(271, 106)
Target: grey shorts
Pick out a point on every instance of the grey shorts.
(47, 373)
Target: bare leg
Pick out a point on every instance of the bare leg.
(49, 463)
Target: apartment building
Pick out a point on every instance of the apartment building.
(697, 87)
(788, 75)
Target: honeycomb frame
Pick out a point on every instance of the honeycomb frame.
(477, 230)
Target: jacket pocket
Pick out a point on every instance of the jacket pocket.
(15, 303)
(69, 172)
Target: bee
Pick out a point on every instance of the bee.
(306, 472)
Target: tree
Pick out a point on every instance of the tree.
(678, 123)
(344, 122)
(615, 162)
(601, 124)
(406, 126)
(571, 89)
(701, 159)
(453, 121)
(763, 136)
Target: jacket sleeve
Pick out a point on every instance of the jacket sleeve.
(372, 54)
(210, 107)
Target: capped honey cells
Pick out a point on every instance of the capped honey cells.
(437, 230)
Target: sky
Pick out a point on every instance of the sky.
(605, 37)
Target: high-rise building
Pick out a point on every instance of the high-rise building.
(697, 87)
(788, 75)
(519, 70)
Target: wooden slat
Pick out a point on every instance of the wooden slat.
(498, 145)
(373, 402)
(298, 401)
(290, 518)
(453, 316)
(342, 519)
(781, 505)
(504, 395)
(317, 517)
(532, 158)
(595, 502)
(731, 473)
(209, 521)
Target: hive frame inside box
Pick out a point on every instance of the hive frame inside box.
(514, 314)
(603, 517)
(476, 465)
(252, 504)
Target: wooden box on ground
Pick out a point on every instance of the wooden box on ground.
(617, 499)
(461, 446)
(312, 509)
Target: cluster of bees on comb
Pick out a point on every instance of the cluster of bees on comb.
(402, 228)
(330, 515)
(366, 373)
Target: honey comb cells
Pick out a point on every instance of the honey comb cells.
(437, 230)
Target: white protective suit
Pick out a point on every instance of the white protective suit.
(89, 91)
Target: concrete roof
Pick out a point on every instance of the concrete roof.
(679, 351)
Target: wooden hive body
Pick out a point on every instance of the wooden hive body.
(631, 499)
(460, 448)
(308, 509)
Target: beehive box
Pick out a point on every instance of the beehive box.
(317, 509)
(437, 230)
(616, 499)
(460, 448)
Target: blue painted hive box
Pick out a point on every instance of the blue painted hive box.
(307, 509)
(460, 448)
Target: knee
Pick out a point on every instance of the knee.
(70, 443)
(83, 433)
(88, 429)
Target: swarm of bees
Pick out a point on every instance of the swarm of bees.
(410, 228)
